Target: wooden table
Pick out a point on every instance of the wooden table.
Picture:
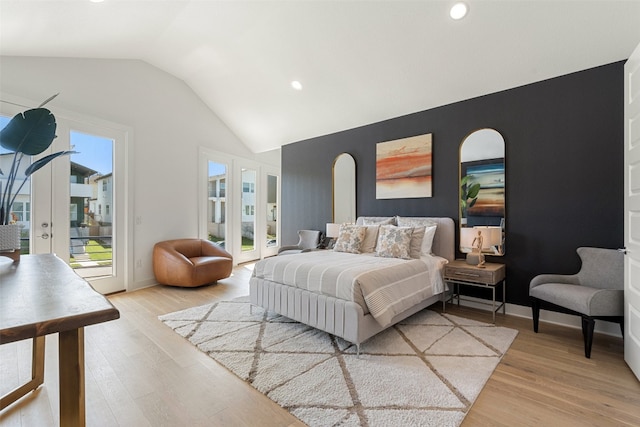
(42, 295)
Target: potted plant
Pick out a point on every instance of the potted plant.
(27, 134)
(468, 194)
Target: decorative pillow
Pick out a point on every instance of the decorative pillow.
(430, 230)
(415, 247)
(394, 242)
(378, 221)
(370, 239)
(350, 238)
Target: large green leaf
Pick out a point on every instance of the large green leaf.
(473, 190)
(33, 167)
(30, 132)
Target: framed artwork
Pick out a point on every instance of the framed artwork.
(403, 168)
(490, 175)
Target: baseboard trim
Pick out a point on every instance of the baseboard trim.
(141, 284)
(572, 321)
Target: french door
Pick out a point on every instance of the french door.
(632, 212)
(238, 206)
(78, 204)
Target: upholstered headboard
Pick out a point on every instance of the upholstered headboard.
(444, 241)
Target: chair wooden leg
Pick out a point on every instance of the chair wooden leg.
(588, 325)
(535, 308)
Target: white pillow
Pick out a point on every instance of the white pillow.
(350, 238)
(394, 242)
(427, 242)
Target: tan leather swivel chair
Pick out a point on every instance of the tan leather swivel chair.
(190, 262)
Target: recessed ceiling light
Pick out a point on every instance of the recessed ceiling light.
(296, 85)
(96, 1)
(458, 10)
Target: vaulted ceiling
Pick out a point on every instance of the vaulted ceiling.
(358, 61)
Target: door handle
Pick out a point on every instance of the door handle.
(45, 235)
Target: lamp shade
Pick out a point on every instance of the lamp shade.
(333, 229)
(491, 236)
(466, 239)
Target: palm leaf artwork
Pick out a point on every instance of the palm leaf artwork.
(27, 134)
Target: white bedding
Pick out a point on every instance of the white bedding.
(383, 287)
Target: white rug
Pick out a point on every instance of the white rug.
(424, 371)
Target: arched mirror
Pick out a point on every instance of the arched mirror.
(482, 192)
(344, 189)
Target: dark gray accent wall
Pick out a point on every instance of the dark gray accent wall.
(564, 169)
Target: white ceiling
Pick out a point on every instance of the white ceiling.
(359, 61)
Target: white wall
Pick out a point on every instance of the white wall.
(169, 124)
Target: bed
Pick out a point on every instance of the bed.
(355, 294)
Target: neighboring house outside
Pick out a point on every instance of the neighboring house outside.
(216, 206)
(102, 205)
(248, 203)
(22, 204)
(80, 191)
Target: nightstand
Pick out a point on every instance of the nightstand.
(459, 273)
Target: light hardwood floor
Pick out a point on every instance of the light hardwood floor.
(140, 373)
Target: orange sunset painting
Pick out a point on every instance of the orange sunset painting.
(403, 168)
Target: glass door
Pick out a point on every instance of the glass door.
(248, 215)
(248, 218)
(94, 215)
(75, 206)
(91, 205)
(271, 201)
(217, 203)
(216, 199)
(238, 206)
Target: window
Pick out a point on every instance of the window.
(21, 211)
(104, 185)
(248, 187)
(106, 208)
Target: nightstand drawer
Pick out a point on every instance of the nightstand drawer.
(492, 274)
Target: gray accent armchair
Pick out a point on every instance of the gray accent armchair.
(308, 239)
(595, 292)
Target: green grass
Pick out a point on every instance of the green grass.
(247, 244)
(97, 252)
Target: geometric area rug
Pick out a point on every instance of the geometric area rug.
(425, 371)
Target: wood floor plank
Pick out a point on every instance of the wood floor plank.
(139, 372)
